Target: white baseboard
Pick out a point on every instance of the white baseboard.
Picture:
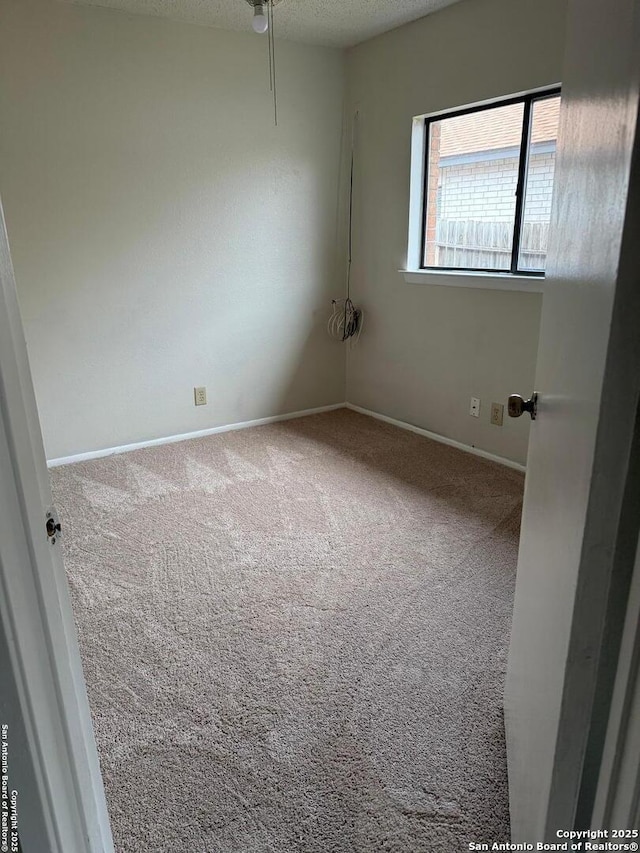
(441, 438)
(154, 442)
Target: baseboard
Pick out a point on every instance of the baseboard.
(172, 439)
(441, 438)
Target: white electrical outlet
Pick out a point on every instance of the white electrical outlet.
(474, 408)
(200, 395)
(497, 414)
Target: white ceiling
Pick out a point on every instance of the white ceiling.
(330, 22)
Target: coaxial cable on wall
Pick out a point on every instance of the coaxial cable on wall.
(345, 322)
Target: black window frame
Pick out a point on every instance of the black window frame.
(528, 100)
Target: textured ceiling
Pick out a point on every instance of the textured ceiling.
(330, 22)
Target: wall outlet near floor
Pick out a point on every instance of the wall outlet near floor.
(200, 396)
(497, 414)
(474, 407)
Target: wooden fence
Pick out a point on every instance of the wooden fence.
(487, 245)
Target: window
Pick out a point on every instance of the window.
(488, 186)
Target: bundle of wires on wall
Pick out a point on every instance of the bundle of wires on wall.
(346, 320)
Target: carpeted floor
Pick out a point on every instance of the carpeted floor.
(294, 638)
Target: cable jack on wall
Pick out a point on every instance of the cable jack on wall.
(263, 22)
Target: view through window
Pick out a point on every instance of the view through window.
(489, 186)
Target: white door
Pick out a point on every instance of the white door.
(52, 758)
(580, 518)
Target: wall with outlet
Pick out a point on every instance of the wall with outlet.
(167, 238)
(165, 235)
(427, 350)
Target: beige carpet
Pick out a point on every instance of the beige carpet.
(294, 638)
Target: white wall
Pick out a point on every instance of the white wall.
(426, 350)
(164, 233)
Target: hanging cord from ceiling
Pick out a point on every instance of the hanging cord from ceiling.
(272, 61)
(346, 320)
(263, 22)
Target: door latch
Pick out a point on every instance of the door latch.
(518, 405)
(53, 526)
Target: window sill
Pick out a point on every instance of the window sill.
(475, 280)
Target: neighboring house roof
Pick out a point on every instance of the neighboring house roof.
(500, 127)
